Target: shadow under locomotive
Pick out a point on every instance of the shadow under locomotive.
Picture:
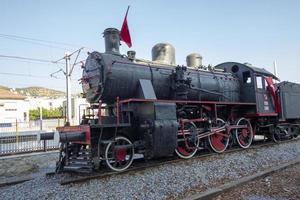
(156, 108)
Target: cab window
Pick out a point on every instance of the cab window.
(247, 77)
(259, 83)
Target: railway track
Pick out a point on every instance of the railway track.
(142, 165)
(227, 187)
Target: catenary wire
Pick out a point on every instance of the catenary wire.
(30, 59)
(40, 41)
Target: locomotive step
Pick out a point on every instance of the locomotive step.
(79, 165)
(82, 152)
(80, 155)
(81, 162)
(80, 158)
(77, 168)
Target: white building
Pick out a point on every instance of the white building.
(13, 107)
(79, 107)
(45, 102)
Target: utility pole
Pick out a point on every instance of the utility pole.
(41, 117)
(68, 74)
(68, 87)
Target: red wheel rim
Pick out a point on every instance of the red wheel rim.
(244, 136)
(117, 157)
(183, 151)
(218, 142)
(188, 145)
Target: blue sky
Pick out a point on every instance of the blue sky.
(256, 31)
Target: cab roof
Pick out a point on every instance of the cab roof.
(250, 67)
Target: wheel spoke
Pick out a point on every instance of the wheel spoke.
(189, 146)
(183, 151)
(119, 158)
(219, 141)
(244, 136)
(241, 139)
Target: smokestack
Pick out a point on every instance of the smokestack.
(112, 40)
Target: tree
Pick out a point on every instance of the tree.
(47, 114)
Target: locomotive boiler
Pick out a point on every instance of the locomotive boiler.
(154, 109)
(110, 75)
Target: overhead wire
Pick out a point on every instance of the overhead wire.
(36, 43)
(40, 41)
(32, 62)
(30, 59)
(25, 75)
(34, 76)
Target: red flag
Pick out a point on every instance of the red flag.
(124, 34)
(273, 94)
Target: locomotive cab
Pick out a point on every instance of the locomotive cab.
(254, 86)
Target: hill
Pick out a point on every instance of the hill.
(36, 91)
(4, 87)
(39, 91)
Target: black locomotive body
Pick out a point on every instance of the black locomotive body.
(108, 76)
(151, 109)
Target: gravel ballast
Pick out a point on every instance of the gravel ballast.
(20, 165)
(283, 184)
(170, 181)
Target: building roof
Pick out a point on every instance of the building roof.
(6, 94)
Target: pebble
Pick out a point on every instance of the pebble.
(170, 181)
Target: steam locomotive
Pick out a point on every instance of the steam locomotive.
(155, 109)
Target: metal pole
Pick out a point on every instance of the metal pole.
(17, 131)
(68, 87)
(45, 145)
(41, 118)
(275, 70)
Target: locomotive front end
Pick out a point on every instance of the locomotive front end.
(93, 77)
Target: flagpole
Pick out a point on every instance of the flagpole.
(127, 11)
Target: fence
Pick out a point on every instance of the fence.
(16, 137)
